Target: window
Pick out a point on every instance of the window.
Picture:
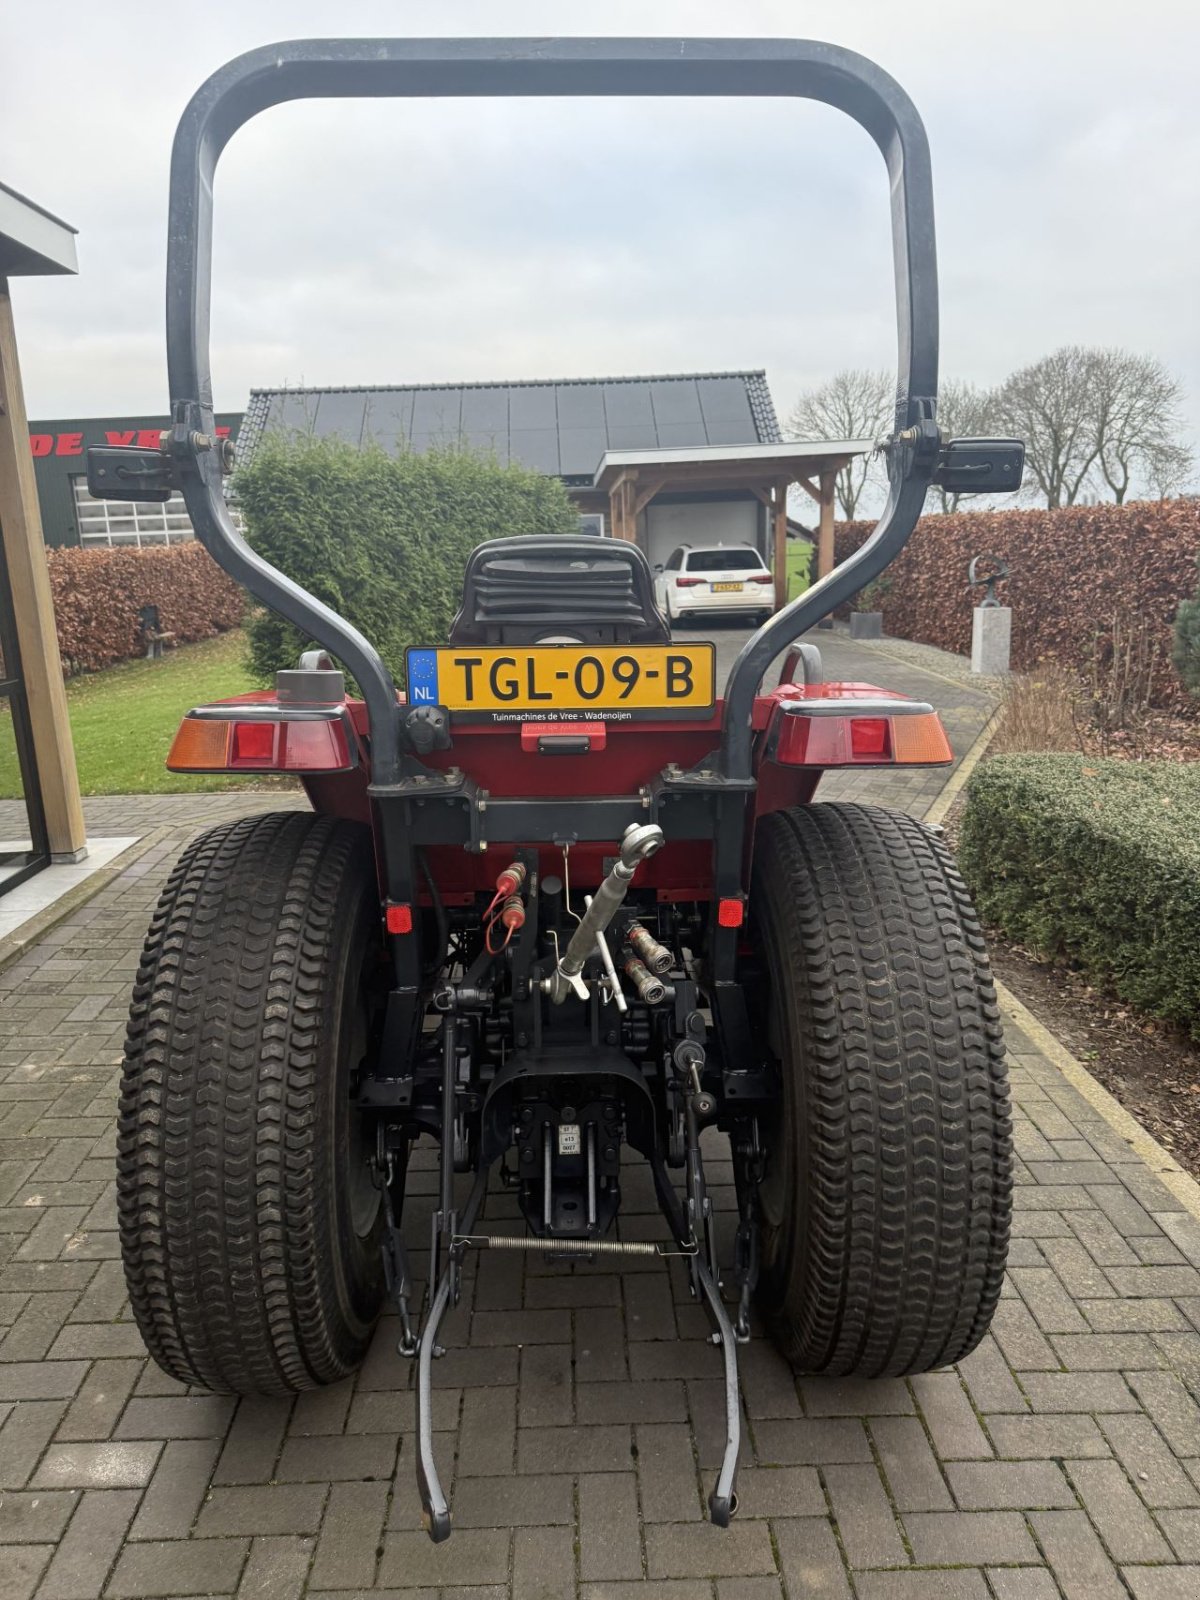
(113, 523)
(732, 560)
(675, 560)
(592, 522)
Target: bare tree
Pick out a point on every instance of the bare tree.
(853, 404)
(1095, 417)
(964, 411)
(1137, 421)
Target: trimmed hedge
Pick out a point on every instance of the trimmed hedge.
(98, 593)
(1097, 861)
(383, 539)
(1072, 569)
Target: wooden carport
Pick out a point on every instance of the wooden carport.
(627, 481)
(32, 244)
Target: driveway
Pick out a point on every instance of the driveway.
(578, 1411)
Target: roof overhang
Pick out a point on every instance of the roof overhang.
(728, 466)
(33, 243)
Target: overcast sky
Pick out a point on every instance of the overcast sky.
(414, 241)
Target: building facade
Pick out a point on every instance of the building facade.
(70, 516)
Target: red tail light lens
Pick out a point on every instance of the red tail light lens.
(253, 744)
(869, 738)
(688, 583)
(760, 577)
(210, 744)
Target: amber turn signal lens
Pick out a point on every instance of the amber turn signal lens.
(201, 745)
(920, 739)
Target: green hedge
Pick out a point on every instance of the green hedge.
(382, 538)
(1096, 861)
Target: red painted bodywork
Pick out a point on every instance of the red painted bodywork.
(631, 755)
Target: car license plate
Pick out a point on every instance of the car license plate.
(727, 588)
(523, 682)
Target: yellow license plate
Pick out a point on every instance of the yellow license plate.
(556, 682)
(727, 588)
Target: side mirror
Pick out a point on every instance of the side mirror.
(658, 566)
(980, 466)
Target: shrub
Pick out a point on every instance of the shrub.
(1097, 861)
(383, 539)
(1076, 572)
(1185, 644)
(98, 594)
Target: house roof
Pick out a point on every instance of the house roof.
(33, 242)
(562, 427)
(798, 456)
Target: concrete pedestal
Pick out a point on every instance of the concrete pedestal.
(866, 624)
(991, 640)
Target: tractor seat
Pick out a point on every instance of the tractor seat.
(573, 589)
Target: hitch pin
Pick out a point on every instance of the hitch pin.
(609, 966)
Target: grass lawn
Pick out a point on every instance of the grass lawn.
(123, 719)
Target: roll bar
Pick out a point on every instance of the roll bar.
(420, 68)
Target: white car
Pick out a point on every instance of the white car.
(715, 578)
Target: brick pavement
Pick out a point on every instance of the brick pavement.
(577, 1418)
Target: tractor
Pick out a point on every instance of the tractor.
(565, 904)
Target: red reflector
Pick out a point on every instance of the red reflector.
(313, 747)
(399, 919)
(253, 744)
(731, 913)
(869, 738)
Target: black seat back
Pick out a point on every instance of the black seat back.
(570, 588)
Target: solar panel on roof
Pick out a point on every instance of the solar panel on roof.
(536, 448)
(627, 405)
(580, 405)
(580, 450)
(341, 416)
(532, 407)
(674, 435)
(674, 403)
(387, 420)
(437, 412)
(485, 409)
(291, 413)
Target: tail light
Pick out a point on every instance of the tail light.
(313, 742)
(689, 583)
(760, 577)
(841, 739)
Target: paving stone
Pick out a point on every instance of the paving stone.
(514, 1501)
(87, 1550)
(595, 1449)
(811, 1441)
(1105, 1352)
(952, 1423)
(178, 1567)
(1146, 1457)
(1022, 1583)
(913, 1474)
(778, 1492)
(768, 1385)
(546, 1395)
(172, 1501)
(1128, 1530)
(600, 1346)
(989, 1379)
(350, 1532)
(544, 1563)
(274, 1508)
(1170, 1407)
(22, 1566)
(958, 1538)
(1010, 1485)
(487, 1439)
(34, 1516)
(94, 1411)
(865, 1519)
(100, 1466)
(1182, 1528)
(960, 1585)
(703, 1551)
(277, 1569)
(670, 1490)
(322, 1459)
(197, 1416)
(41, 1380)
(1076, 1556)
(630, 1402)
(521, 1327)
(322, 1411)
(1022, 1342)
(1163, 1583)
(810, 1559)
(1089, 1392)
(1132, 1316)
(1046, 1438)
(609, 1546)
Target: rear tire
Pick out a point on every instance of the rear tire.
(250, 1230)
(887, 1196)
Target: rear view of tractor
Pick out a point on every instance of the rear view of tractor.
(565, 905)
